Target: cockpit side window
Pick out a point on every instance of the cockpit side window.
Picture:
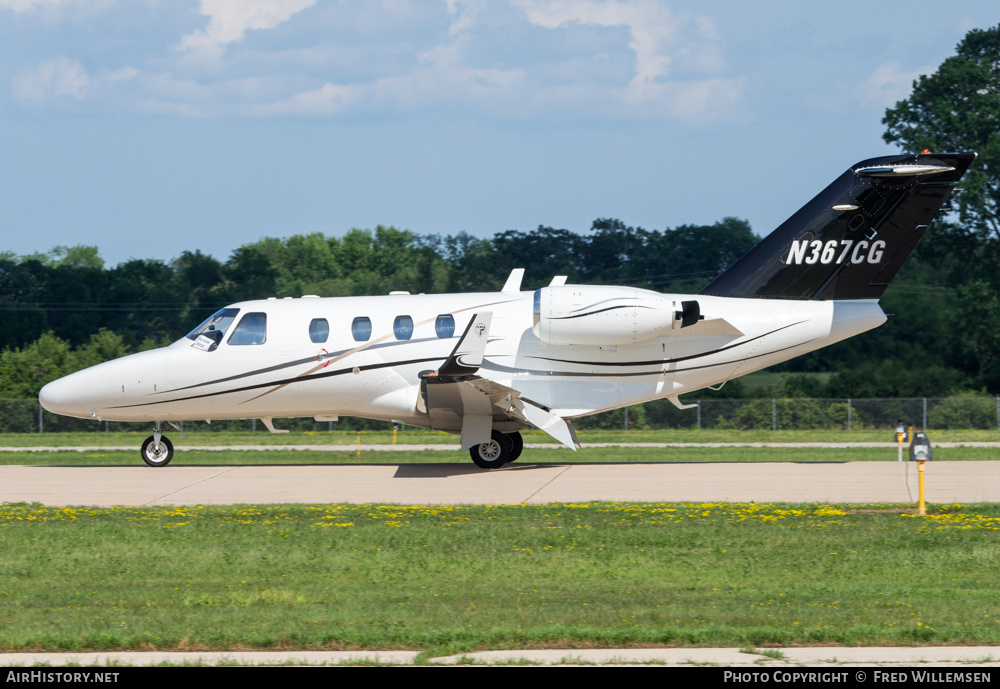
(208, 335)
(361, 329)
(319, 330)
(251, 330)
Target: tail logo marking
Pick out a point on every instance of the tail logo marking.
(833, 251)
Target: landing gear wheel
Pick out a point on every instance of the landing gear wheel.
(517, 444)
(157, 455)
(493, 454)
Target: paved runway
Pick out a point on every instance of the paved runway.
(842, 482)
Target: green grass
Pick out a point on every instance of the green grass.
(530, 455)
(455, 579)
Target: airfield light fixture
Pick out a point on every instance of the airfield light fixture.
(920, 452)
(901, 438)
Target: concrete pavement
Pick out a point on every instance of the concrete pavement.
(441, 484)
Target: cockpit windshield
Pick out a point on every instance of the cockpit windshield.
(208, 335)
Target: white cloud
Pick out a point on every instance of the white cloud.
(650, 25)
(59, 78)
(890, 83)
(440, 77)
(26, 6)
(463, 14)
(328, 99)
(663, 43)
(231, 19)
(611, 59)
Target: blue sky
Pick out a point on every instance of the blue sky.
(151, 127)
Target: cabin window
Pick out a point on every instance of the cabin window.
(319, 330)
(251, 330)
(361, 329)
(445, 326)
(402, 327)
(208, 335)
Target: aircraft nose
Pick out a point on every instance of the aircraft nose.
(65, 396)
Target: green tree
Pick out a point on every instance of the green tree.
(23, 318)
(104, 345)
(542, 253)
(693, 255)
(958, 109)
(78, 256)
(25, 370)
(979, 322)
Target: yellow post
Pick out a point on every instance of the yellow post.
(394, 425)
(899, 441)
(922, 510)
(359, 440)
(920, 452)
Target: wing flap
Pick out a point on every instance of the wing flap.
(457, 399)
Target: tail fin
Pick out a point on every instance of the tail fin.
(849, 241)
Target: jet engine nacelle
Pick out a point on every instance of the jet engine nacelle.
(598, 315)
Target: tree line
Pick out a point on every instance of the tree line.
(71, 294)
(65, 310)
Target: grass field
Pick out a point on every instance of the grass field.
(452, 579)
(456, 579)
(587, 455)
(130, 442)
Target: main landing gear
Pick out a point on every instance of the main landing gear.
(157, 451)
(501, 449)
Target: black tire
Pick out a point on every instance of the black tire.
(157, 456)
(517, 444)
(494, 454)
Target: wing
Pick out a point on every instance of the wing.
(456, 398)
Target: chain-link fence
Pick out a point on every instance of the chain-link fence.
(803, 413)
(957, 412)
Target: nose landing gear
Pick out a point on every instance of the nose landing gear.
(157, 451)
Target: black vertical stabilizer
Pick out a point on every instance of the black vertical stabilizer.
(849, 241)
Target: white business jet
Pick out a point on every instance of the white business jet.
(487, 365)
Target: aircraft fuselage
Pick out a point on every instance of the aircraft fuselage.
(289, 375)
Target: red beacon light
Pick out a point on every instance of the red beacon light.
(926, 150)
